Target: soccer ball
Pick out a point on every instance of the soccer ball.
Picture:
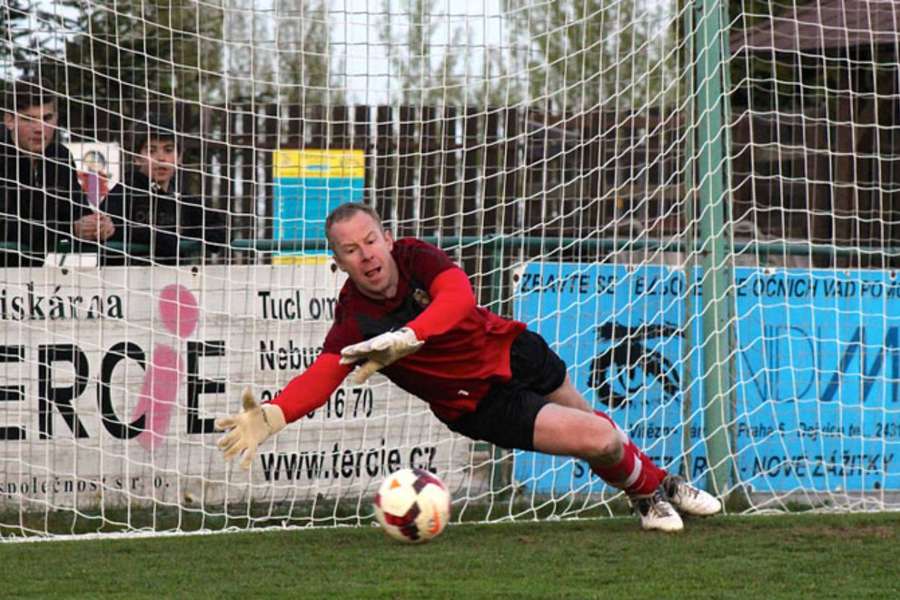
(412, 505)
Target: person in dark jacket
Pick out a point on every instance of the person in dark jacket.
(151, 209)
(42, 205)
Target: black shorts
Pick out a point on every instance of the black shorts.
(505, 416)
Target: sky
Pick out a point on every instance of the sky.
(356, 31)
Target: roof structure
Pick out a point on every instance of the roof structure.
(824, 24)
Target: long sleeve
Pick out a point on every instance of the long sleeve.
(64, 200)
(309, 390)
(118, 206)
(9, 193)
(144, 216)
(452, 299)
(71, 196)
(165, 236)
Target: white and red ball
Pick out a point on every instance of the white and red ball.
(412, 505)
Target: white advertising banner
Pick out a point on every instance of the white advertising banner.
(112, 379)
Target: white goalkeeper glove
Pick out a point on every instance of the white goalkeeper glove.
(249, 428)
(380, 351)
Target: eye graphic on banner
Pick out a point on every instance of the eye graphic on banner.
(138, 395)
(179, 313)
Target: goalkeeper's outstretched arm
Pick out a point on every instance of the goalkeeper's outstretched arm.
(256, 423)
(451, 300)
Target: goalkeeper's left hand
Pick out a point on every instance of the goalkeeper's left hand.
(249, 428)
(380, 351)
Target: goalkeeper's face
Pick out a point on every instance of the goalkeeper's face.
(362, 249)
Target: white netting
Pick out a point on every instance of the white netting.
(696, 204)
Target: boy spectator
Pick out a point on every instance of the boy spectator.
(41, 201)
(151, 205)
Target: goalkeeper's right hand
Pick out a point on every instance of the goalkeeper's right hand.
(249, 428)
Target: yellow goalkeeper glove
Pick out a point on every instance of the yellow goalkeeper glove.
(249, 428)
(380, 351)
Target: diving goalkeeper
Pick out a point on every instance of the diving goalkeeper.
(408, 311)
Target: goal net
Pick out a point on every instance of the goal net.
(695, 203)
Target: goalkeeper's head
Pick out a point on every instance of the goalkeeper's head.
(362, 249)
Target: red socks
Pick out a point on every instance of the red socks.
(636, 473)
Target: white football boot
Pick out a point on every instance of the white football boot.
(689, 499)
(656, 513)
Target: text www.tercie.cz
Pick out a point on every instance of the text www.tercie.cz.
(345, 463)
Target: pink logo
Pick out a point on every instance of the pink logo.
(179, 313)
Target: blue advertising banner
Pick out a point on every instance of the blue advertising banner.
(816, 368)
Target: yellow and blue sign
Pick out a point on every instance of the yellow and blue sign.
(816, 371)
(308, 185)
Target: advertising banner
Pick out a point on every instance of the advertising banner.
(112, 380)
(816, 370)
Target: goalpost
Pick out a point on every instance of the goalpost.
(697, 203)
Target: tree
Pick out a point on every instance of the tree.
(138, 54)
(307, 71)
(591, 53)
(247, 58)
(28, 30)
(280, 55)
(452, 70)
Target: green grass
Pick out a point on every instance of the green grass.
(787, 556)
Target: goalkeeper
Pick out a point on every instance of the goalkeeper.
(408, 311)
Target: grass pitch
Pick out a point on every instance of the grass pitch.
(787, 556)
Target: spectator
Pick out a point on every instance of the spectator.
(151, 206)
(41, 202)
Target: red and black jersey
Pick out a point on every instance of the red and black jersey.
(466, 346)
(454, 369)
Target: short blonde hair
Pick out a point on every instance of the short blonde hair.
(346, 211)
